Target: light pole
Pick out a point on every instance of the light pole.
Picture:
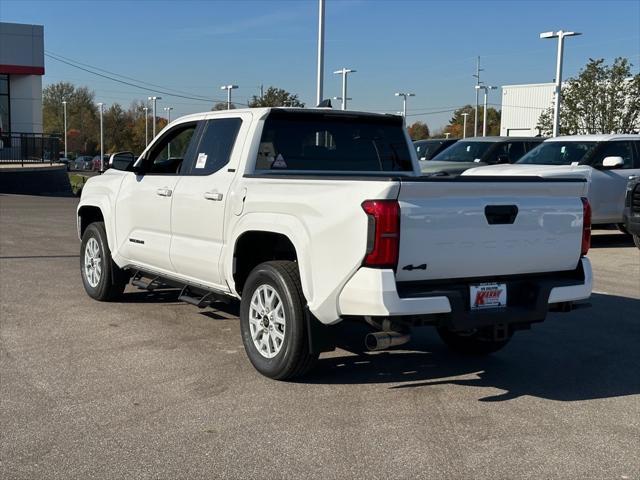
(558, 88)
(168, 110)
(340, 98)
(101, 106)
(153, 125)
(320, 73)
(64, 107)
(146, 125)
(464, 125)
(228, 88)
(486, 89)
(478, 83)
(344, 72)
(404, 103)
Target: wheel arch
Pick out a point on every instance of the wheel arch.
(254, 242)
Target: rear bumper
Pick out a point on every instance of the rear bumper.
(372, 292)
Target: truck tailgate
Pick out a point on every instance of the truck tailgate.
(471, 228)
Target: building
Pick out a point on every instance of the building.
(522, 106)
(21, 71)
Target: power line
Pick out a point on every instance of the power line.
(146, 89)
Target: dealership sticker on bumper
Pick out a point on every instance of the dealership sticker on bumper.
(488, 295)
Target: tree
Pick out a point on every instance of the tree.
(456, 124)
(418, 131)
(223, 106)
(82, 114)
(276, 97)
(601, 99)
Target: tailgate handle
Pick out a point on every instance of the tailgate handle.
(501, 214)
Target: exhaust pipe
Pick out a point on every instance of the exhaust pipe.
(383, 340)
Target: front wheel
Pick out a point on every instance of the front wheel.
(473, 342)
(636, 240)
(102, 279)
(272, 321)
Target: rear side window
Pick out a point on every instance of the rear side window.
(216, 145)
(332, 142)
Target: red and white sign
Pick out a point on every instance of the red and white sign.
(488, 295)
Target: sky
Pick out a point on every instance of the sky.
(425, 47)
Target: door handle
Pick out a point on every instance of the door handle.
(164, 192)
(215, 196)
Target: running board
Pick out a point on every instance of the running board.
(197, 295)
(201, 301)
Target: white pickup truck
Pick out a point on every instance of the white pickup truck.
(311, 217)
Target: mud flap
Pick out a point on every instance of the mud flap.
(321, 337)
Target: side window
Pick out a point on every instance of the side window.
(171, 151)
(216, 145)
(637, 153)
(516, 150)
(616, 149)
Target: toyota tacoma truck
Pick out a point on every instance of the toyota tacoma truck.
(312, 216)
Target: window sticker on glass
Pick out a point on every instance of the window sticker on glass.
(279, 162)
(201, 162)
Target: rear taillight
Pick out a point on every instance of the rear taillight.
(586, 226)
(383, 239)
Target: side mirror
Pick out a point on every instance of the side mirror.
(122, 161)
(613, 162)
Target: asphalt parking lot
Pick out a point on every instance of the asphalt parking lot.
(153, 388)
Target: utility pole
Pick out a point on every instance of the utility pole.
(404, 103)
(478, 83)
(320, 72)
(261, 91)
(101, 106)
(486, 89)
(558, 87)
(64, 107)
(228, 88)
(464, 124)
(344, 72)
(153, 125)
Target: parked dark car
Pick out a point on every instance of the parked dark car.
(427, 149)
(632, 210)
(477, 152)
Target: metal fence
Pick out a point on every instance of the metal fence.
(21, 148)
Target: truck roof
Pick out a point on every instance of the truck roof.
(593, 138)
(261, 111)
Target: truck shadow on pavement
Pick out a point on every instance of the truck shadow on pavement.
(612, 240)
(582, 355)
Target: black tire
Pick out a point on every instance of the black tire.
(472, 343)
(293, 359)
(636, 240)
(112, 280)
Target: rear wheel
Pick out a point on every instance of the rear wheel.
(472, 342)
(272, 320)
(102, 279)
(636, 240)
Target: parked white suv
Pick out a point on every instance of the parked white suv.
(607, 161)
(311, 217)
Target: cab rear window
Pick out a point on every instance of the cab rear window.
(306, 141)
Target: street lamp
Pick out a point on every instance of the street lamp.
(486, 89)
(464, 125)
(320, 72)
(101, 106)
(344, 72)
(340, 98)
(168, 110)
(228, 88)
(146, 125)
(404, 103)
(558, 87)
(154, 100)
(64, 107)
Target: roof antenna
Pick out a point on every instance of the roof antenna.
(325, 104)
